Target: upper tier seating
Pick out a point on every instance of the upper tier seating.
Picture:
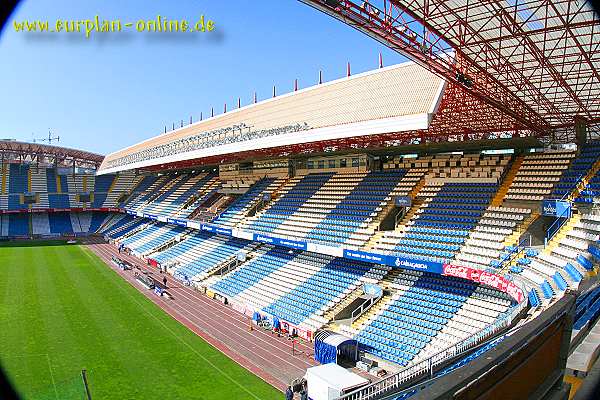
(587, 308)
(538, 174)
(293, 195)
(143, 190)
(329, 208)
(240, 207)
(76, 184)
(18, 178)
(38, 180)
(573, 247)
(565, 263)
(486, 242)
(440, 227)
(56, 191)
(170, 196)
(124, 183)
(59, 200)
(455, 165)
(102, 185)
(581, 165)
(591, 190)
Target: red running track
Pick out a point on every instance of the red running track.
(261, 352)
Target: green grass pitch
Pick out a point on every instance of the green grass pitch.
(62, 310)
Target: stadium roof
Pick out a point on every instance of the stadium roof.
(38, 152)
(509, 69)
(397, 99)
(536, 61)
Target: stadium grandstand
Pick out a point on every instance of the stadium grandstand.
(431, 226)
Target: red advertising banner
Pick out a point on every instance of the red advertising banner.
(485, 278)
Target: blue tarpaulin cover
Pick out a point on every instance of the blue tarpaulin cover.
(329, 345)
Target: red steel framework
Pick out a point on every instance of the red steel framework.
(38, 153)
(357, 143)
(514, 69)
(530, 64)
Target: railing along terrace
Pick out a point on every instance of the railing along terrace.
(514, 253)
(426, 367)
(557, 224)
(203, 140)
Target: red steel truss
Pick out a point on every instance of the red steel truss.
(357, 143)
(534, 61)
(37, 153)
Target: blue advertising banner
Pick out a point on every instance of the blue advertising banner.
(130, 212)
(223, 231)
(403, 201)
(180, 222)
(150, 216)
(292, 244)
(365, 256)
(208, 228)
(418, 265)
(556, 208)
(393, 261)
(216, 229)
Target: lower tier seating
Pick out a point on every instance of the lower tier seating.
(297, 287)
(199, 252)
(151, 236)
(426, 314)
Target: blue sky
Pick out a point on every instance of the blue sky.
(115, 89)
